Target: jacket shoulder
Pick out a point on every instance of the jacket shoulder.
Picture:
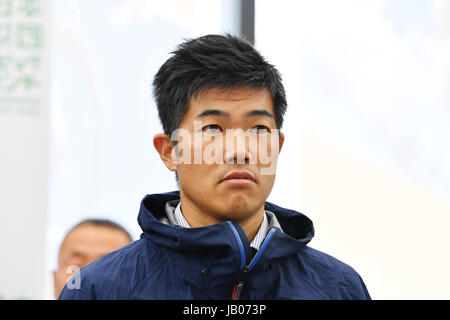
(335, 278)
(111, 276)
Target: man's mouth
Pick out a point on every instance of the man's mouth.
(236, 178)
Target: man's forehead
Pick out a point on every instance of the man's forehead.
(231, 94)
(224, 103)
(90, 235)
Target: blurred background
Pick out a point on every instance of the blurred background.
(367, 150)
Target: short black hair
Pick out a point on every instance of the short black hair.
(213, 61)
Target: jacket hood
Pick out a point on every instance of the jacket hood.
(298, 230)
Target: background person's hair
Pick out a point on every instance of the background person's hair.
(99, 223)
(213, 61)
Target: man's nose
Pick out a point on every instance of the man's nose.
(238, 151)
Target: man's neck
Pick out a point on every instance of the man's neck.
(196, 217)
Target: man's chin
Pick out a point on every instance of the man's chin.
(235, 216)
(237, 209)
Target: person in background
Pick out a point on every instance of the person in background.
(86, 242)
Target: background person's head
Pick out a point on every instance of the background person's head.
(225, 83)
(86, 242)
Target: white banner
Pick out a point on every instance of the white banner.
(24, 146)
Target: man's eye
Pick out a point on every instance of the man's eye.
(212, 129)
(260, 129)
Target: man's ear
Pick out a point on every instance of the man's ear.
(163, 144)
(281, 142)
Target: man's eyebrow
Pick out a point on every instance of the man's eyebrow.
(78, 253)
(213, 112)
(255, 113)
(217, 112)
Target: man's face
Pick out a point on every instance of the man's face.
(242, 114)
(84, 245)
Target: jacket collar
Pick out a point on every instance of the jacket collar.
(298, 229)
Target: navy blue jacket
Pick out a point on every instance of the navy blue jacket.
(170, 262)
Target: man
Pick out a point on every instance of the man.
(221, 106)
(86, 242)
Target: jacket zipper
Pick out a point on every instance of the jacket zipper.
(240, 285)
(237, 290)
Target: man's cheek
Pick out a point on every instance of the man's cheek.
(268, 153)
